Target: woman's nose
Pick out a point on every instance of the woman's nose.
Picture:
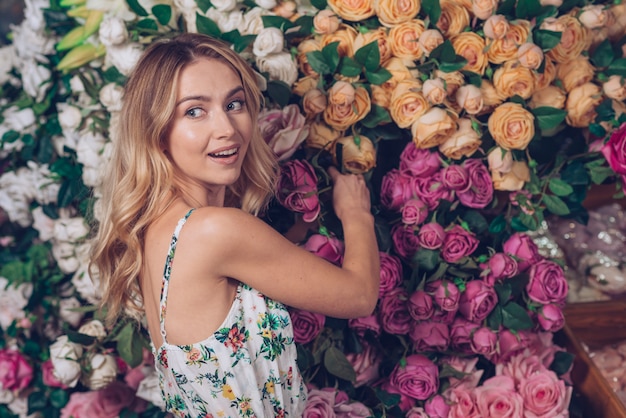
(223, 125)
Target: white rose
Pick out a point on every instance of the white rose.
(103, 371)
(124, 57)
(112, 31)
(33, 14)
(30, 44)
(19, 120)
(65, 355)
(7, 62)
(16, 193)
(93, 328)
(17, 210)
(68, 311)
(13, 300)
(19, 406)
(69, 116)
(111, 97)
(117, 8)
(150, 390)
(226, 21)
(266, 4)
(89, 149)
(183, 5)
(63, 253)
(35, 79)
(253, 21)
(268, 41)
(70, 229)
(87, 286)
(76, 84)
(6, 396)
(224, 5)
(280, 66)
(43, 224)
(45, 190)
(593, 16)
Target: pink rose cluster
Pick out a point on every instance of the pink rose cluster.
(283, 130)
(331, 403)
(297, 189)
(103, 403)
(615, 151)
(17, 373)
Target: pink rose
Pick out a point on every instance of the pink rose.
(437, 407)
(417, 378)
(522, 248)
(477, 301)
(467, 367)
(306, 325)
(79, 405)
(463, 403)
(484, 341)
(430, 336)
(414, 212)
(365, 364)
(615, 150)
(431, 190)
(365, 324)
(394, 314)
(419, 162)
(500, 266)
(352, 410)
(457, 244)
(47, 369)
(319, 404)
(461, 334)
(297, 189)
(497, 398)
(431, 236)
(547, 283)
(396, 188)
(521, 366)
(510, 345)
(445, 294)
(329, 248)
(16, 372)
(480, 192)
(283, 130)
(551, 318)
(390, 273)
(545, 395)
(416, 412)
(104, 403)
(404, 241)
(406, 402)
(421, 305)
(455, 177)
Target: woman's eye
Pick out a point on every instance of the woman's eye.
(194, 112)
(235, 105)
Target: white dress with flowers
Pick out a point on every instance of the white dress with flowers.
(247, 368)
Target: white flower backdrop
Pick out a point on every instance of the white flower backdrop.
(473, 121)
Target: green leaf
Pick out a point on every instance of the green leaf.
(113, 75)
(494, 320)
(555, 205)
(338, 365)
(497, 225)
(204, 5)
(426, 259)
(473, 78)
(529, 221)
(78, 338)
(546, 39)
(603, 55)
(349, 67)
(600, 174)
(515, 317)
(163, 13)
(277, 22)
(243, 42)
(368, 56)
(59, 398)
(432, 8)
(377, 115)
(527, 9)
(318, 63)
(476, 221)
(559, 187)
(37, 401)
(319, 4)
(562, 362)
(10, 136)
(504, 292)
(548, 117)
(207, 26)
(378, 77)
(136, 8)
(148, 23)
(129, 345)
(279, 92)
(617, 67)
(331, 55)
(444, 52)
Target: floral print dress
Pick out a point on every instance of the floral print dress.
(247, 368)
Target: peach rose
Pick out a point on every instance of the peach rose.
(379, 35)
(614, 87)
(511, 126)
(581, 105)
(301, 86)
(594, 16)
(322, 136)
(403, 39)
(470, 98)
(394, 12)
(505, 49)
(353, 10)
(325, 22)
(471, 46)
(491, 96)
(555, 3)
(482, 9)
(513, 180)
(345, 35)
(429, 40)
(530, 55)
(314, 102)
(575, 39)
(346, 108)
(543, 80)
(433, 128)
(380, 96)
(454, 18)
(399, 71)
(308, 45)
(500, 160)
(462, 143)
(617, 21)
(358, 155)
(575, 73)
(286, 9)
(496, 27)
(453, 80)
(513, 79)
(551, 96)
(407, 103)
(434, 90)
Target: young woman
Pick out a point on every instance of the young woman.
(179, 242)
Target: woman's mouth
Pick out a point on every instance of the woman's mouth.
(225, 153)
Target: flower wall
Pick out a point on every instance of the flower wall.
(472, 121)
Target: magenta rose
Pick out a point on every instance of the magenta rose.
(497, 397)
(406, 402)
(419, 162)
(484, 341)
(545, 395)
(16, 372)
(445, 293)
(394, 314)
(447, 317)
(395, 189)
(414, 212)
(421, 305)
(329, 248)
(437, 407)
(522, 248)
(477, 301)
(390, 273)
(430, 336)
(417, 378)
(297, 189)
(500, 266)
(455, 177)
(431, 236)
(320, 403)
(615, 150)
(404, 241)
(510, 344)
(547, 283)
(283, 130)
(306, 325)
(480, 192)
(431, 190)
(457, 244)
(461, 334)
(104, 403)
(365, 364)
(365, 324)
(551, 318)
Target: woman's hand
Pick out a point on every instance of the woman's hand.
(350, 194)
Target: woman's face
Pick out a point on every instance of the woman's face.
(211, 128)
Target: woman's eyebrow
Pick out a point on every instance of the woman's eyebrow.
(204, 98)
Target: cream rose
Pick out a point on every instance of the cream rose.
(575, 73)
(483, 9)
(103, 371)
(530, 55)
(496, 27)
(471, 46)
(341, 113)
(581, 105)
(500, 160)
(512, 180)
(407, 103)
(454, 18)
(505, 49)
(511, 126)
(326, 22)
(286, 9)
(322, 136)
(594, 16)
(512, 79)
(434, 90)
(358, 155)
(380, 36)
(470, 98)
(429, 40)
(551, 96)
(462, 143)
(304, 47)
(94, 329)
(575, 39)
(433, 128)
(543, 80)
(353, 10)
(314, 102)
(268, 41)
(615, 88)
(65, 357)
(345, 35)
(394, 12)
(403, 39)
(279, 66)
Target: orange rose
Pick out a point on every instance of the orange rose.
(429, 40)
(286, 9)
(512, 79)
(407, 103)
(482, 9)
(614, 88)
(454, 18)
(543, 80)
(314, 102)
(462, 143)
(358, 154)
(308, 45)
(434, 90)
(471, 46)
(617, 21)
(379, 35)
(470, 98)
(380, 96)
(394, 12)
(399, 71)
(403, 39)
(345, 35)
(496, 27)
(491, 96)
(345, 109)
(513, 180)
(325, 22)
(530, 55)
(433, 128)
(575, 39)
(353, 10)
(575, 73)
(581, 105)
(551, 96)
(505, 49)
(511, 126)
(301, 86)
(322, 136)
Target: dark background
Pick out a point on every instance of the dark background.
(11, 12)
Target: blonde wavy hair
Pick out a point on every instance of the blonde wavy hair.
(138, 185)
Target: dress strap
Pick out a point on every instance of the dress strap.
(168, 271)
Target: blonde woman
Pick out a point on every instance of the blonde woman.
(188, 174)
